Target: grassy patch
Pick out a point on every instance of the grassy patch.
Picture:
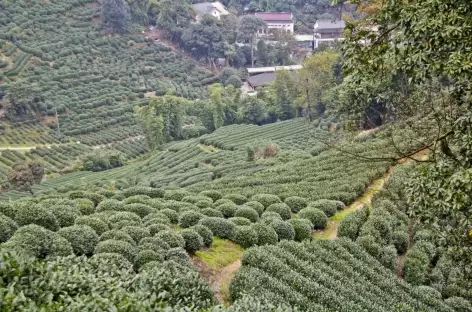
(328, 232)
(209, 148)
(221, 253)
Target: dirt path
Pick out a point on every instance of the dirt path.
(220, 282)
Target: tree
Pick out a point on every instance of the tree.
(316, 78)
(217, 105)
(248, 29)
(174, 17)
(25, 174)
(115, 16)
(426, 41)
(283, 97)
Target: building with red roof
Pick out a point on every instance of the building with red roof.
(276, 20)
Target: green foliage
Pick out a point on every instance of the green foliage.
(248, 213)
(351, 225)
(193, 240)
(117, 235)
(205, 233)
(302, 227)
(329, 207)
(145, 256)
(82, 238)
(240, 221)
(219, 227)
(115, 16)
(282, 209)
(102, 161)
(190, 218)
(257, 206)
(283, 229)
(214, 195)
(7, 228)
(317, 217)
(86, 206)
(211, 212)
(141, 210)
(25, 174)
(266, 199)
(172, 238)
(236, 198)
(137, 233)
(117, 246)
(296, 203)
(245, 236)
(228, 209)
(28, 213)
(98, 225)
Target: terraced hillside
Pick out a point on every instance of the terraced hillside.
(54, 56)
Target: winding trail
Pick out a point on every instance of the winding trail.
(220, 282)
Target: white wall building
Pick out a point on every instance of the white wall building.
(215, 9)
(276, 20)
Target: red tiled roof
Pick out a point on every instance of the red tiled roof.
(275, 16)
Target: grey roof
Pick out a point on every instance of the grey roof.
(330, 24)
(261, 79)
(203, 8)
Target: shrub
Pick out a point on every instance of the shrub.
(116, 246)
(195, 199)
(64, 214)
(211, 212)
(459, 304)
(283, 229)
(214, 195)
(7, 209)
(156, 228)
(205, 233)
(156, 215)
(141, 210)
(236, 198)
(60, 247)
(117, 235)
(351, 225)
(137, 199)
(228, 209)
(120, 219)
(266, 235)
(177, 195)
(245, 236)
(96, 198)
(172, 238)
(316, 217)
(82, 238)
(31, 240)
(98, 225)
(248, 213)
(388, 257)
(219, 226)
(266, 199)
(137, 233)
(154, 243)
(240, 221)
(370, 245)
(110, 204)
(282, 209)
(329, 207)
(193, 240)
(223, 201)
(302, 227)
(172, 215)
(179, 255)
(427, 247)
(115, 259)
(27, 213)
(85, 206)
(145, 256)
(190, 218)
(296, 203)
(204, 204)
(257, 206)
(400, 241)
(7, 228)
(142, 190)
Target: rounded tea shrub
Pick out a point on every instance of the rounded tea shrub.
(65, 214)
(219, 227)
(236, 198)
(459, 304)
(266, 199)
(195, 199)
(123, 216)
(156, 228)
(282, 209)
(7, 209)
(193, 240)
(98, 225)
(7, 228)
(190, 218)
(177, 195)
(223, 201)
(214, 195)
(228, 209)
(60, 247)
(82, 238)
(115, 246)
(283, 229)
(245, 236)
(145, 256)
(153, 243)
(172, 238)
(266, 235)
(204, 204)
(329, 207)
(317, 217)
(110, 204)
(156, 215)
(137, 199)
(205, 233)
(29, 213)
(178, 255)
(171, 214)
(400, 241)
(31, 240)
(257, 206)
(143, 190)
(85, 205)
(296, 203)
(117, 235)
(302, 227)
(248, 213)
(141, 210)
(137, 233)
(240, 221)
(115, 259)
(211, 212)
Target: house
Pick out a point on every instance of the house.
(329, 29)
(261, 76)
(215, 9)
(260, 80)
(271, 69)
(275, 20)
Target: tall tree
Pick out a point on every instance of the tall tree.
(116, 16)
(248, 30)
(25, 174)
(217, 105)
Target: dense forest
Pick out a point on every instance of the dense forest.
(137, 173)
